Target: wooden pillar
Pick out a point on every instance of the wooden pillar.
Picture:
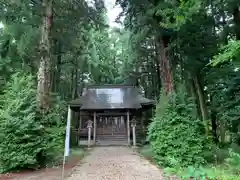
(142, 121)
(80, 120)
(128, 127)
(143, 134)
(94, 127)
(79, 127)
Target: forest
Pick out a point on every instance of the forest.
(183, 53)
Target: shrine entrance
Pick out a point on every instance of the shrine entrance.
(111, 125)
(110, 114)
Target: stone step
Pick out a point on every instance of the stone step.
(111, 138)
(110, 135)
(111, 143)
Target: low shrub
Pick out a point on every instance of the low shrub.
(27, 139)
(228, 170)
(22, 140)
(176, 136)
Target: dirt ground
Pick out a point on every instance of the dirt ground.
(44, 174)
(115, 163)
(102, 163)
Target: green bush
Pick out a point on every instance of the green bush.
(176, 136)
(54, 122)
(28, 140)
(233, 161)
(22, 140)
(229, 170)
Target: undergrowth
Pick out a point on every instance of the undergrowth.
(28, 141)
(178, 143)
(175, 135)
(75, 153)
(229, 170)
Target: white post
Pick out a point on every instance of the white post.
(89, 126)
(67, 139)
(94, 127)
(128, 128)
(89, 137)
(134, 132)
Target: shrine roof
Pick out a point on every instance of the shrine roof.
(111, 97)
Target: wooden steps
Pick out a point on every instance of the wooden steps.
(108, 140)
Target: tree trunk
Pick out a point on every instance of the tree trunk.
(193, 94)
(158, 78)
(73, 84)
(81, 84)
(222, 131)
(56, 67)
(214, 120)
(202, 103)
(76, 79)
(44, 68)
(214, 126)
(223, 15)
(165, 69)
(158, 72)
(236, 19)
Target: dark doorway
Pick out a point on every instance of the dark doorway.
(111, 125)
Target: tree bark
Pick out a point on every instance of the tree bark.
(73, 84)
(76, 79)
(56, 66)
(158, 72)
(236, 19)
(194, 95)
(202, 103)
(214, 126)
(44, 68)
(81, 82)
(165, 69)
(222, 131)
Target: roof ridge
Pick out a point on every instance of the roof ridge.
(110, 86)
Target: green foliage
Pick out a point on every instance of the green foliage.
(230, 52)
(85, 50)
(22, 140)
(223, 86)
(176, 136)
(103, 56)
(233, 161)
(192, 172)
(27, 139)
(54, 124)
(229, 170)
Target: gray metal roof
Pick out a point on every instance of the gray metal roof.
(111, 97)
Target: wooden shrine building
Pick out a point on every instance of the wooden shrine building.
(110, 114)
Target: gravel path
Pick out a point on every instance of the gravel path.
(115, 163)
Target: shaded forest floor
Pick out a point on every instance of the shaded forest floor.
(53, 173)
